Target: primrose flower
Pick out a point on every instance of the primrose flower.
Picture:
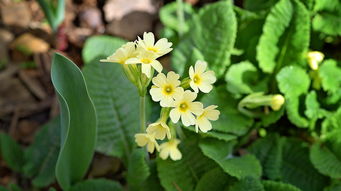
(314, 58)
(170, 148)
(160, 48)
(160, 129)
(143, 139)
(201, 80)
(184, 107)
(203, 120)
(166, 88)
(147, 61)
(122, 54)
(277, 101)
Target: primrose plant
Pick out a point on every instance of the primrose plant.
(139, 61)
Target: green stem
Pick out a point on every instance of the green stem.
(142, 113)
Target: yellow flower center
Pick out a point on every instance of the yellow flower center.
(146, 60)
(183, 107)
(168, 90)
(197, 79)
(202, 115)
(153, 49)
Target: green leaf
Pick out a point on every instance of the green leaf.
(313, 110)
(97, 185)
(326, 156)
(278, 186)
(100, 47)
(3, 188)
(14, 187)
(115, 100)
(230, 121)
(332, 122)
(259, 5)
(334, 187)
(221, 153)
(327, 19)
(169, 17)
(11, 152)
(41, 156)
(138, 169)
(293, 82)
(285, 37)
(153, 181)
(240, 79)
(184, 174)
(330, 75)
(298, 170)
(78, 122)
(268, 150)
(212, 32)
(215, 179)
(247, 184)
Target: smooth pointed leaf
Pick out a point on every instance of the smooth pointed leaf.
(11, 152)
(97, 185)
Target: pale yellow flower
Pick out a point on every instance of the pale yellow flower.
(160, 48)
(160, 129)
(122, 54)
(277, 101)
(314, 59)
(184, 107)
(203, 121)
(201, 80)
(143, 139)
(166, 88)
(170, 148)
(147, 61)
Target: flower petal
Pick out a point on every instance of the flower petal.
(205, 87)
(191, 72)
(196, 108)
(156, 94)
(173, 78)
(159, 80)
(187, 119)
(175, 154)
(146, 69)
(189, 96)
(133, 61)
(194, 86)
(148, 38)
(209, 77)
(204, 124)
(157, 65)
(174, 115)
(200, 66)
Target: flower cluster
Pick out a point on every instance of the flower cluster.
(139, 60)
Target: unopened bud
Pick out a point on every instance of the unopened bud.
(277, 101)
(314, 59)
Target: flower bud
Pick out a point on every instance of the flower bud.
(314, 59)
(277, 101)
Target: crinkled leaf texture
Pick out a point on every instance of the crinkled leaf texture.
(215, 179)
(213, 33)
(330, 75)
(78, 122)
(41, 156)
(221, 153)
(285, 38)
(327, 19)
(115, 100)
(100, 46)
(138, 169)
(247, 184)
(326, 156)
(278, 186)
(11, 152)
(184, 174)
(293, 82)
(97, 185)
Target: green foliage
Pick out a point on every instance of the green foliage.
(212, 32)
(78, 122)
(185, 173)
(247, 184)
(327, 17)
(11, 152)
(97, 184)
(285, 37)
(138, 169)
(115, 100)
(293, 82)
(214, 179)
(41, 156)
(53, 11)
(100, 47)
(221, 153)
(278, 186)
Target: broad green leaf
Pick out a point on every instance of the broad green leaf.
(100, 47)
(230, 121)
(215, 179)
(330, 75)
(326, 156)
(334, 187)
(297, 169)
(213, 33)
(285, 37)
(259, 5)
(215, 134)
(3, 188)
(247, 184)
(293, 82)
(97, 185)
(153, 181)
(116, 100)
(138, 169)
(11, 152)
(78, 122)
(184, 174)
(268, 150)
(221, 153)
(278, 186)
(332, 122)
(327, 19)
(41, 156)
(272, 117)
(241, 77)
(313, 110)
(169, 17)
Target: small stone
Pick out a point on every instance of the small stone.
(16, 14)
(29, 44)
(91, 18)
(5, 36)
